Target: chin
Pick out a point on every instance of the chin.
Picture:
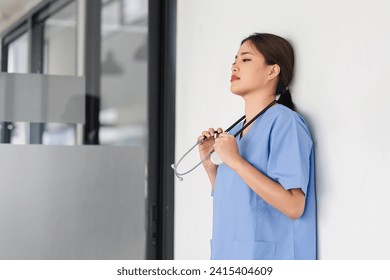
(236, 91)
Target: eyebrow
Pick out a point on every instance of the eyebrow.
(245, 53)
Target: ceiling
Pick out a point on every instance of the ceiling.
(10, 7)
(11, 10)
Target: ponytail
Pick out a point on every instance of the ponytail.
(285, 96)
(277, 50)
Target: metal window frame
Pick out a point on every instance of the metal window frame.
(92, 71)
(5, 134)
(161, 101)
(35, 37)
(20, 28)
(162, 75)
(32, 24)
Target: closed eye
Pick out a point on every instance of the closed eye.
(243, 60)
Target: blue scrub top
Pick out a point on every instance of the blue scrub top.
(245, 226)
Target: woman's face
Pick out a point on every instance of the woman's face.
(250, 72)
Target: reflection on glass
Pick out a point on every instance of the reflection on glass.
(123, 115)
(18, 63)
(60, 59)
(18, 55)
(60, 42)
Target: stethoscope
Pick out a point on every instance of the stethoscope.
(215, 159)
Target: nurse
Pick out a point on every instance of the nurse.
(263, 194)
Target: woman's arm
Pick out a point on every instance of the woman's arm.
(212, 174)
(289, 202)
(204, 149)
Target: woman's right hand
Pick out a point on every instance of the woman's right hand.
(206, 146)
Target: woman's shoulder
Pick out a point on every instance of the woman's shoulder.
(283, 113)
(285, 117)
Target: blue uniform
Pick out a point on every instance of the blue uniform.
(245, 226)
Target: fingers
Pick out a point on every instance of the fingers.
(207, 134)
(224, 136)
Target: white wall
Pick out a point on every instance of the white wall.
(342, 88)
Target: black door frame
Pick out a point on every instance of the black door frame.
(162, 79)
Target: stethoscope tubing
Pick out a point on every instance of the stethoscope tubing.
(174, 166)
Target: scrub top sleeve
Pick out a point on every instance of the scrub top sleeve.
(289, 153)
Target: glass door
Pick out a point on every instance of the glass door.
(60, 58)
(18, 63)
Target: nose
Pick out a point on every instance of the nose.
(234, 68)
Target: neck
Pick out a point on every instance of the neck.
(254, 104)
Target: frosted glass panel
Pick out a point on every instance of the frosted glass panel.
(17, 63)
(42, 98)
(80, 202)
(60, 58)
(124, 75)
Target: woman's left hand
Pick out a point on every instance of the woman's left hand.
(226, 147)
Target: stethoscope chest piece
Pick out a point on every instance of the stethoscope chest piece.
(215, 158)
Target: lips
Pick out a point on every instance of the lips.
(234, 78)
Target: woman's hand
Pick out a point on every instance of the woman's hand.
(207, 145)
(227, 149)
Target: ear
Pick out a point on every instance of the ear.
(273, 71)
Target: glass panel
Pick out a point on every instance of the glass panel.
(123, 115)
(18, 63)
(60, 59)
(42, 98)
(18, 55)
(79, 202)
(124, 107)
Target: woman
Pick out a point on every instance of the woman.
(264, 192)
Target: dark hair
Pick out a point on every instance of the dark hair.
(277, 50)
